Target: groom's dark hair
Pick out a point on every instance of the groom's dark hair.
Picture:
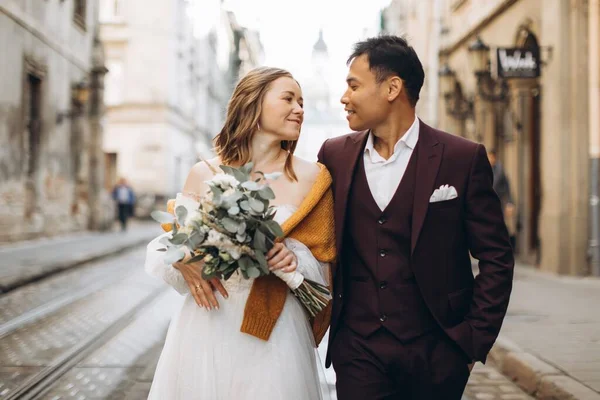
(392, 55)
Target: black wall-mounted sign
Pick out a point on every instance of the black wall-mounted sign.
(516, 62)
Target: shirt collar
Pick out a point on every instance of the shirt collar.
(410, 138)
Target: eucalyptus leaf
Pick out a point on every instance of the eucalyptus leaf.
(273, 175)
(274, 227)
(245, 262)
(240, 238)
(260, 241)
(266, 193)
(262, 262)
(253, 272)
(227, 169)
(197, 225)
(228, 274)
(242, 228)
(245, 205)
(237, 174)
(252, 186)
(196, 239)
(230, 225)
(163, 217)
(256, 205)
(179, 238)
(173, 255)
(223, 267)
(235, 210)
(216, 190)
(247, 168)
(181, 213)
(231, 200)
(217, 194)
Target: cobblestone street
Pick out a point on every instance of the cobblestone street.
(95, 332)
(486, 383)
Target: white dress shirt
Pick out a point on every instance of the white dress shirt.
(383, 175)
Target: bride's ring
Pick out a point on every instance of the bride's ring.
(198, 287)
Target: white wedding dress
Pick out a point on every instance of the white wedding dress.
(206, 357)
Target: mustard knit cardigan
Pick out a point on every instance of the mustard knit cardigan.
(312, 225)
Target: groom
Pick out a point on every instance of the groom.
(411, 202)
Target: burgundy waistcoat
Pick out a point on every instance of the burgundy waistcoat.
(379, 280)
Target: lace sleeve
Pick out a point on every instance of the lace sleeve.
(308, 265)
(156, 267)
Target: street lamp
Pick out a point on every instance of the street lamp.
(80, 93)
(456, 105)
(447, 79)
(488, 88)
(480, 56)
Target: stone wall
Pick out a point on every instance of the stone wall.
(44, 162)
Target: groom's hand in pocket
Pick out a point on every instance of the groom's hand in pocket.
(201, 290)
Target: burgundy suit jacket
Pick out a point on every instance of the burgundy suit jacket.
(470, 310)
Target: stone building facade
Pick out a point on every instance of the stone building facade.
(164, 98)
(50, 105)
(420, 23)
(545, 129)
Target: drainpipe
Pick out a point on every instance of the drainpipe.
(594, 113)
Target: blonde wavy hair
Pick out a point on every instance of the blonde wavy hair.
(232, 144)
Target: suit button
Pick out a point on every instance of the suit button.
(339, 296)
(382, 285)
(383, 318)
(381, 221)
(382, 253)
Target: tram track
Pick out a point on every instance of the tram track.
(37, 385)
(53, 305)
(49, 329)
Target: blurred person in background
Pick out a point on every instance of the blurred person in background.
(124, 196)
(502, 188)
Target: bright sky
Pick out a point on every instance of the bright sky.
(289, 29)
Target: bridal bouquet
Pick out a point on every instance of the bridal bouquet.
(231, 229)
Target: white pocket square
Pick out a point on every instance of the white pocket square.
(444, 193)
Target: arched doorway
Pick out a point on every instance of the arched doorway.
(526, 96)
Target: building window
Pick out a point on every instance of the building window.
(79, 12)
(33, 122)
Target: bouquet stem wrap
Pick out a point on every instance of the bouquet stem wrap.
(313, 296)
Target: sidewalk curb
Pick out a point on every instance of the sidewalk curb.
(63, 265)
(536, 377)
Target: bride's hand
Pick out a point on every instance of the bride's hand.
(201, 289)
(280, 257)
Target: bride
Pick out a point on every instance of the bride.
(252, 339)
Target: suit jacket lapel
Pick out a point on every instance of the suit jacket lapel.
(428, 163)
(353, 150)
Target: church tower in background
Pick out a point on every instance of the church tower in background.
(323, 119)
